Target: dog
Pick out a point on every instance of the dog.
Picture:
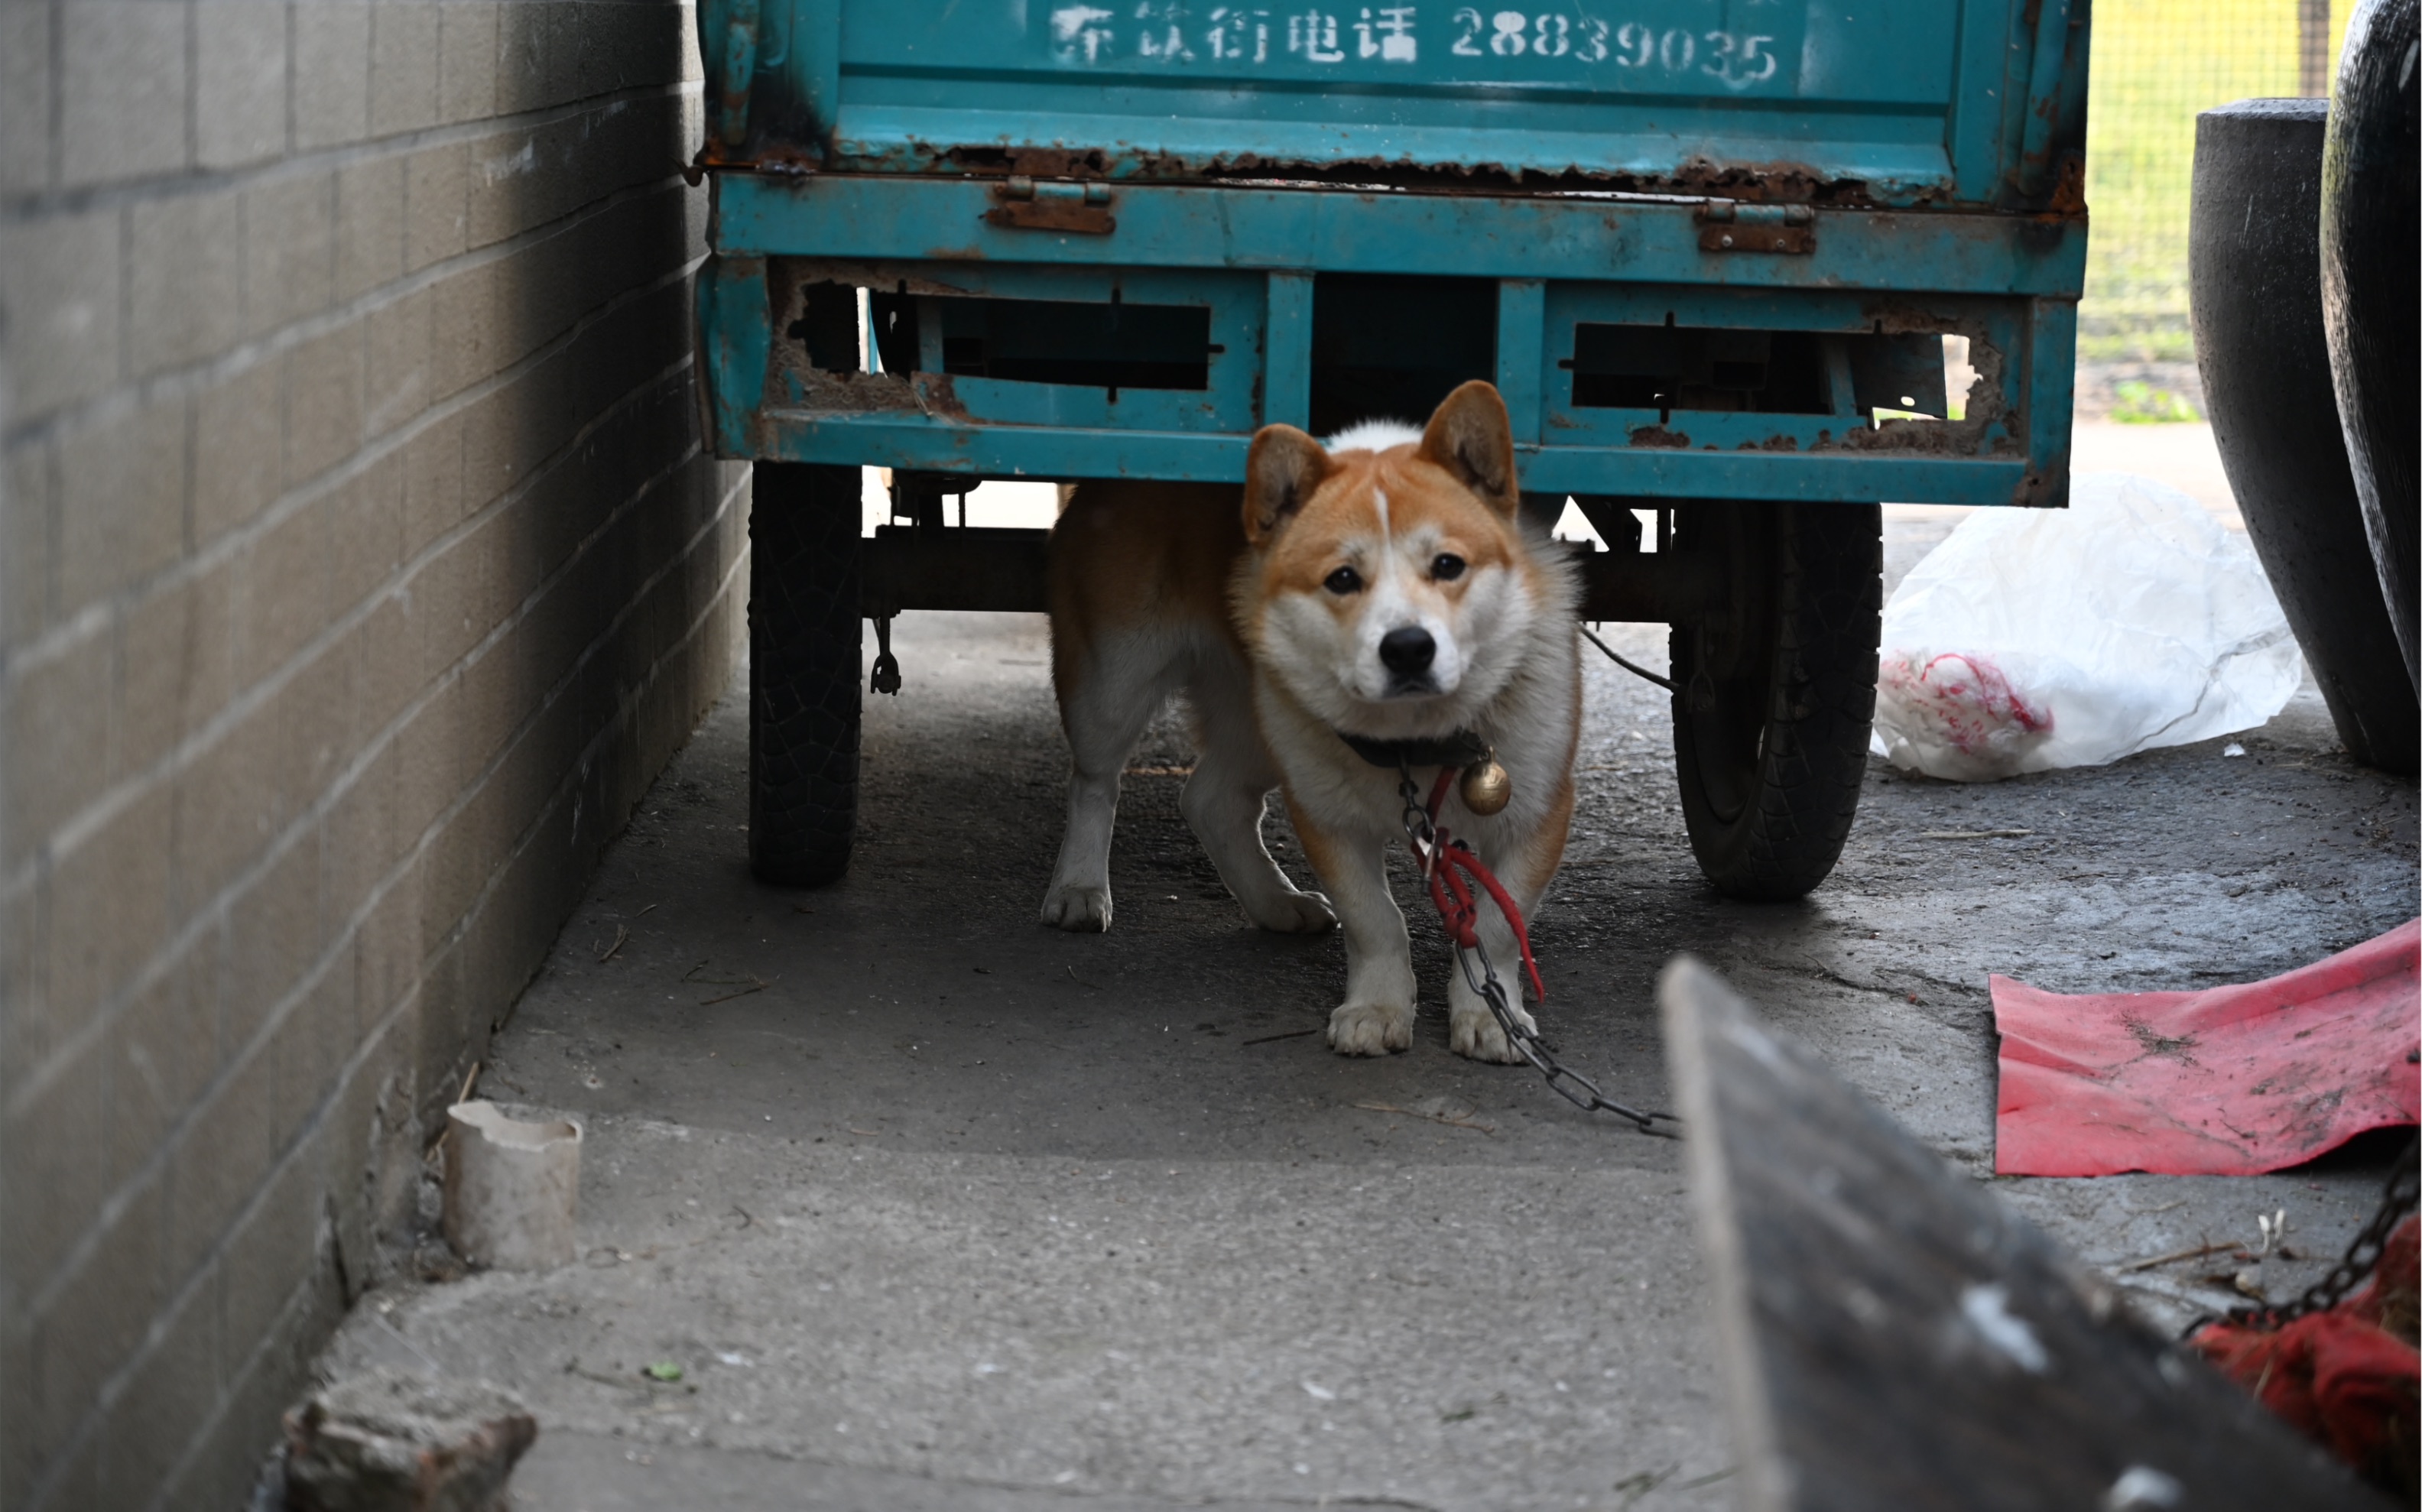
(1383, 591)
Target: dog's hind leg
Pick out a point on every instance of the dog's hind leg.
(1108, 693)
(1223, 799)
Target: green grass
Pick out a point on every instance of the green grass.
(2156, 64)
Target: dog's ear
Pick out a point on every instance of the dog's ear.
(1472, 438)
(1281, 472)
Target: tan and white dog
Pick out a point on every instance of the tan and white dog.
(1384, 586)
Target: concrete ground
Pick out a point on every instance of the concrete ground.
(936, 1208)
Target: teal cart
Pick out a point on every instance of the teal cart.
(1710, 251)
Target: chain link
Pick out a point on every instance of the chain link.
(1480, 974)
(2398, 1200)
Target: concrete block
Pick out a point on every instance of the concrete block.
(281, 599)
(405, 65)
(465, 343)
(232, 797)
(226, 1461)
(364, 535)
(216, 1167)
(109, 905)
(436, 181)
(25, 97)
(432, 487)
(239, 448)
(185, 283)
(27, 1033)
(360, 839)
(175, 665)
(332, 74)
(57, 1173)
(316, 711)
(402, 1442)
(269, 1253)
(241, 48)
(60, 291)
(16, 1397)
(350, 1148)
(289, 235)
(97, 1319)
(273, 933)
(370, 221)
(387, 947)
(399, 381)
(466, 63)
(55, 729)
(323, 404)
(524, 29)
(162, 1053)
(122, 502)
(122, 85)
(312, 1046)
(385, 680)
(26, 549)
(167, 1399)
(511, 179)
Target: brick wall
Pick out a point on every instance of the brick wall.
(359, 566)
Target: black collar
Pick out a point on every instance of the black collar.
(1461, 749)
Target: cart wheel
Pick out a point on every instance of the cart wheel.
(803, 672)
(1775, 692)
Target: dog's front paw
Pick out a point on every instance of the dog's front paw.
(1474, 1031)
(1295, 913)
(1371, 1028)
(1085, 910)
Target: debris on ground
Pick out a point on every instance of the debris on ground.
(2346, 1376)
(2034, 640)
(393, 1442)
(2231, 1081)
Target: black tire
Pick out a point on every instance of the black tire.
(803, 672)
(1775, 691)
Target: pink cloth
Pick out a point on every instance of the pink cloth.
(2227, 1081)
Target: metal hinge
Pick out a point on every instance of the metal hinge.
(1729, 225)
(1026, 205)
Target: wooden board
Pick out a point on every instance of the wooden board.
(1893, 1338)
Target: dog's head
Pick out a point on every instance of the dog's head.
(1389, 587)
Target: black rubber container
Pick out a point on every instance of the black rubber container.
(2253, 263)
(2371, 292)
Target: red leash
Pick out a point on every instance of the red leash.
(1458, 908)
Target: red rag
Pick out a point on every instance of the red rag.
(2227, 1081)
(2340, 1377)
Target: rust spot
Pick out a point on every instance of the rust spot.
(933, 395)
(1772, 443)
(1748, 236)
(2069, 192)
(1053, 215)
(1779, 182)
(884, 276)
(1657, 436)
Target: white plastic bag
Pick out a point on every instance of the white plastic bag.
(2038, 639)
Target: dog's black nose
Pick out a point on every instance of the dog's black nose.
(1408, 650)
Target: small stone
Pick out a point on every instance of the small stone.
(389, 1441)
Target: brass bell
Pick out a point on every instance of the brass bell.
(1487, 787)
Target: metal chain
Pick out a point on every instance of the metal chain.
(1563, 1080)
(2398, 1201)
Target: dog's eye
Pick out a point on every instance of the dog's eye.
(1343, 581)
(1447, 568)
